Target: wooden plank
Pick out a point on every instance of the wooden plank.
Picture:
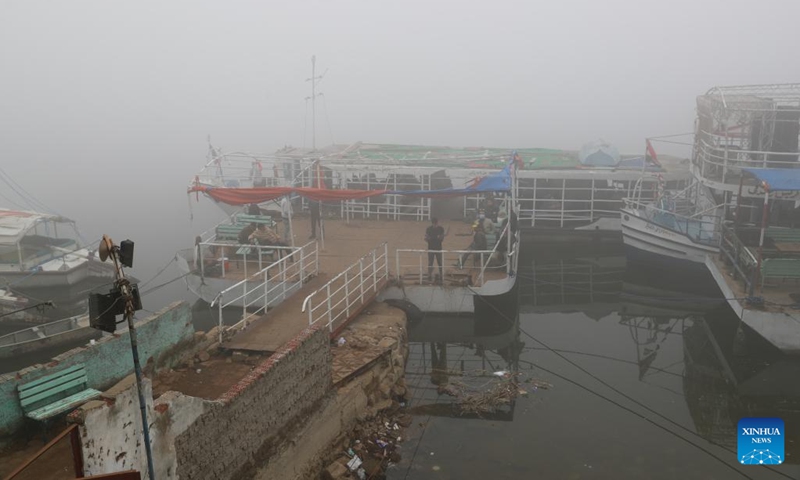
(63, 405)
(51, 376)
(50, 393)
(29, 392)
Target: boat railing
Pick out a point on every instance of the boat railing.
(723, 162)
(699, 227)
(349, 291)
(41, 331)
(738, 254)
(269, 286)
(412, 265)
(213, 259)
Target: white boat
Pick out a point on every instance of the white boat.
(677, 230)
(39, 250)
(558, 189)
(409, 196)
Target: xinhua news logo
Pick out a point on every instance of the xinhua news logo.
(761, 441)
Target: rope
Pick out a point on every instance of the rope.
(159, 273)
(627, 397)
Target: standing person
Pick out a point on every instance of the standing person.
(434, 235)
(286, 214)
(314, 206)
(478, 243)
(486, 223)
(491, 209)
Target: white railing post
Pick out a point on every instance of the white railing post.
(330, 310)
(374, 273)
(266, 291)
(420, 269)
(220, 317)
(283, 275)
(302, 267)
(361, 277)
(386, 259)
(347, 293)
(397, 264)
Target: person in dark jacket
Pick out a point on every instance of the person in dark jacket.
(478, 243)
(244, 234)
(434, 236)
(316, 219)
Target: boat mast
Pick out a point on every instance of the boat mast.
(314, 79)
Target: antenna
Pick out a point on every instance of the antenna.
(314, 82)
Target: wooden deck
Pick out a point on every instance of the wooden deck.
(775, 294)
(344, 244)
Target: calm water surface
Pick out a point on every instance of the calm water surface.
(670, 345)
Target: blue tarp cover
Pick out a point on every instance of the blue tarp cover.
(777, 179)
(494, 182)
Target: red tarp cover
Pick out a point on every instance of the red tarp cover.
(244, 196)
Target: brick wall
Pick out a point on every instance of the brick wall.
(244, 427)
(107, 362)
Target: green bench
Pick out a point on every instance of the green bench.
(229, 232)
(783, 235)
(248, 250)
(56, 393)
(781, 268)
(257, 219)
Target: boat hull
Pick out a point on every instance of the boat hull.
(652, 243)
(780, 329)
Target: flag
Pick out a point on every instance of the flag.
(652, 153)
(519, 164)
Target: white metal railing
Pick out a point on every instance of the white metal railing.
(42, 331)
(724, 162)
(270, 285)
(700, 227)
(220, 254)
(349, 290)
(414, 263)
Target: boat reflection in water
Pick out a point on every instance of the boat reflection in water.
(462, 351)
(650, 377)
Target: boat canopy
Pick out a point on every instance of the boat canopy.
(494, 182)
(14, 224)
(777, 179)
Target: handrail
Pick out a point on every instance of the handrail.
(363, 278)
(270, 285)
(489, 257)
(41, 327)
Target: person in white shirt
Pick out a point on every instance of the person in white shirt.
(286, 213)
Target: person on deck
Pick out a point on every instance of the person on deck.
(486, 223)
(253, 209)
(265, 236)
(244, 234)
(316, 220)
(478, 243)
(491, 209)
(434, 235)
(286, 214)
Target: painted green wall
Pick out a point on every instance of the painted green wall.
(107, 362)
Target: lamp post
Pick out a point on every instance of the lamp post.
(123, 299)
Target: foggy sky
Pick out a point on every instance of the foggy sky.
(100, 99)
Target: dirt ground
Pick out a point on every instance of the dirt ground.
(56, 464)
(209, 379)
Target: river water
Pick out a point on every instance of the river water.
(649, 377)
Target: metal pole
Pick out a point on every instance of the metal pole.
(142, 405)
(313, 103)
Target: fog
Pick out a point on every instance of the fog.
(105, 106)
